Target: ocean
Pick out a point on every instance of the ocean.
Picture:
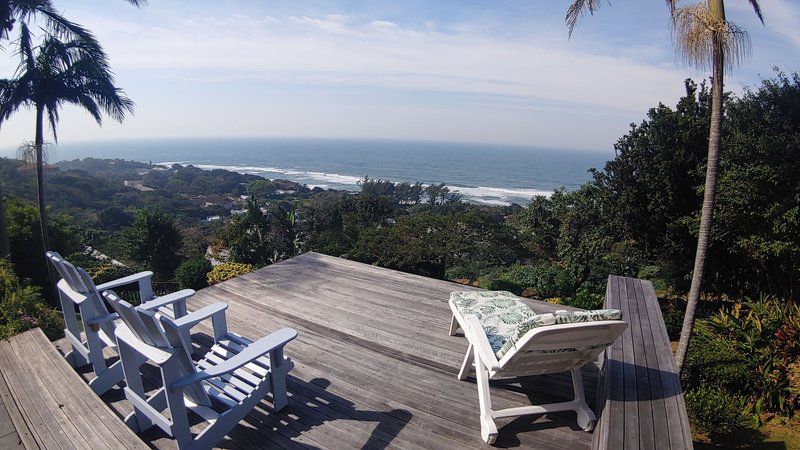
(482, 173)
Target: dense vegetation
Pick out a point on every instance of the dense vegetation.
(637, 216)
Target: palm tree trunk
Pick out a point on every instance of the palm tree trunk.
(5, 247)
(40, 176)
(708, 196)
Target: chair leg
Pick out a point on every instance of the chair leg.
(453, 326)
(467, 365)
(488, 427)
(107, 379)
(586, 418)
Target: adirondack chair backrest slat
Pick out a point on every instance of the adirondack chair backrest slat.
(70, 274)
(147, 326)
(81, 283)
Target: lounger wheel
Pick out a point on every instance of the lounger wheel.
(586, 420)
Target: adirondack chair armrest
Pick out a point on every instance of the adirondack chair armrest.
(481, 343)
(130, 279)
(252, 352)
(195, 317)
(168, 299)
(104, 318)
(65, 290)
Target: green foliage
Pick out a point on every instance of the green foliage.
(193, 274)
(261, 188)
(153, 241)
(439, 194)
(27, 250)
(765, 331)
(259, 239)
(22, 307)
(714, 361)
(226, 271)
(428, 244)
(584, 299)
(673, 313)
(718, 412)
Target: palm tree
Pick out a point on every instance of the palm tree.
(12, 11)
(51, 75)
(703, 38)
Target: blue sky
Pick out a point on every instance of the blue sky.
(474, 71)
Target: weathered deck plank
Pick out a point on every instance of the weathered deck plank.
(50, 405)
(642, 404)
(375, 367)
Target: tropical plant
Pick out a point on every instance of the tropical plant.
(51, 75)
(704, 38)
(153, 240)
(22, 307)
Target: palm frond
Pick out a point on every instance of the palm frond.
(757, 9)
(695, 31)
(65, 29)
(577, 9)
(25, 49)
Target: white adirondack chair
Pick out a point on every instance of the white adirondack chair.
(507, 340)
(77, 289)
(237, 373)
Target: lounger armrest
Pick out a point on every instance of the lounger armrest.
(195, 317)
(130, 279)
(104, 318)
(176, 297)
(481, 343)
(252, 352)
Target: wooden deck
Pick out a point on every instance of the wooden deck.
(642, 405)
(49, 406)
(375, 367)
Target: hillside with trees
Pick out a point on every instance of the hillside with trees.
(638, 216)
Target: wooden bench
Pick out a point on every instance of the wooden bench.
(49, 403)
(640, 402)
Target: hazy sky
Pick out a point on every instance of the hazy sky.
(475, 71)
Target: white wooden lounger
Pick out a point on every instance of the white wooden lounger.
(507, 339)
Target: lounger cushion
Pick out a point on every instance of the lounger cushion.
(500, 313)
(505, 318)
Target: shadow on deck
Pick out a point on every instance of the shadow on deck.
(375, 367)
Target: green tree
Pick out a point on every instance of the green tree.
(259, 239)
(440, 194)
(193, 274)
(12, 11)
(153, 240)
(704, 38)
(26, 241)
(51, 75)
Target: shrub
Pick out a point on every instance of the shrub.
(764, 332)
(713, 361)
(673, 313)
(539, 281)
(22, 307)
(193, 274)
(227, 271)
(718, 412)
(584, 299)
(105, 272)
